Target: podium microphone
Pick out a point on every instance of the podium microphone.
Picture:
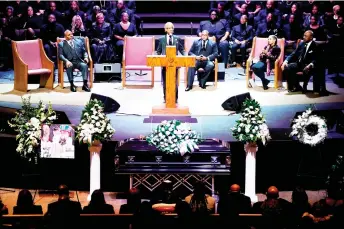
(191, 28)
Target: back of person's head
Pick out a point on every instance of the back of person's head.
(24, 198)
(63, 192)
(299, 196)
(182, 209)
(199, 189)
(134, 197)
(234, 189)
(272, 193)
(97, 198)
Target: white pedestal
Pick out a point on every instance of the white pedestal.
(94, 168)
(250, 172)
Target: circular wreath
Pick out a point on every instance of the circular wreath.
(309, 129)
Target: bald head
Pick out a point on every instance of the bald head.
(235, 188)
(63, 191)
(68, 35)
(272, 192)
(308, 36)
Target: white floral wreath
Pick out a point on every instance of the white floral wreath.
(303, 123)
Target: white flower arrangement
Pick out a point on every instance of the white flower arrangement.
(309, 129)
(94, 124)
(174, 137)
(28, 123)
(251, 126)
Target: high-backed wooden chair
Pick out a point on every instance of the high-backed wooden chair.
(257, 47)
(29, 58)
(61, 66)
(188, 41)
(135, 53)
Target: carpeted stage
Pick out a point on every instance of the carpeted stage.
(283, 162)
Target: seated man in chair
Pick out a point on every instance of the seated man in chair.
(73, 54)
(205, 51)
(301, 62)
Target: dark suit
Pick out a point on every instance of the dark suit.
(297, 61)
(101, 209)
(161, 50)
(210, 52)
(64, 214)
(75, 55)
(34, 209)
(241, 32)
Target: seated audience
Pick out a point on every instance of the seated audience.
(268, 27)
(243, 11)
(32, 23)
(64, 213)
(49, 33)
(101, 47)
(3, 208)
(241, 35)
(270, 8)
(267, 60)
(316, 14)
(292, 32)
(300, 204)
(205, 51)
(234, 203)
(52, 10)
(219, 29)
(303, 60)
(122, 29)
(98, 205)
(25, 204)
(200, 202)
(275, 210)
(7, 34)
(115, 14)
(133, 202)
(77, 27)
(73, 10)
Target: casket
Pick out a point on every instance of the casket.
(136, 156)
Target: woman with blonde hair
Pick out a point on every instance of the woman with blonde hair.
(77, 27)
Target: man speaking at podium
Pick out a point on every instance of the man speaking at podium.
(169, 40)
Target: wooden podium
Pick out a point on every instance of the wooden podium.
(171, 61)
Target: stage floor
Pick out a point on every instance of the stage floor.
(10, 198)
(207, 115)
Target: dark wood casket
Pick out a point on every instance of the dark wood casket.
(135, 156)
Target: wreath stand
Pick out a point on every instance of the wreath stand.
(311, 166)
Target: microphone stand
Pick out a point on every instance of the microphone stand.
(141, 74)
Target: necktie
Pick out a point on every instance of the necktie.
(170, 40)
(203, 45)
(303, 54)
(71, 44)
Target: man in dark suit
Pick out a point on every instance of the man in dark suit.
(303, 59)
(64, 213)
(73, 54)
(206, 52)
(242, 35)
(169, 40)
(234, 203)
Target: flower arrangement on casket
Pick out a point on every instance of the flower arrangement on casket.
(28, 123)
(309, 129)
(251, 126)
(94, 124)
(174, 137)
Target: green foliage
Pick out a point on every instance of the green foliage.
(28, 123)
(335, 178)
(94, 124)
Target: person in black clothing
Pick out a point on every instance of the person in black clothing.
(303, 59)
(133, 202)
(98, 205)
(64, 213)
(25, 204)
(49, 33)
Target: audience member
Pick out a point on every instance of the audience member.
(133, 202)
(98, 205)
(25, 204)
